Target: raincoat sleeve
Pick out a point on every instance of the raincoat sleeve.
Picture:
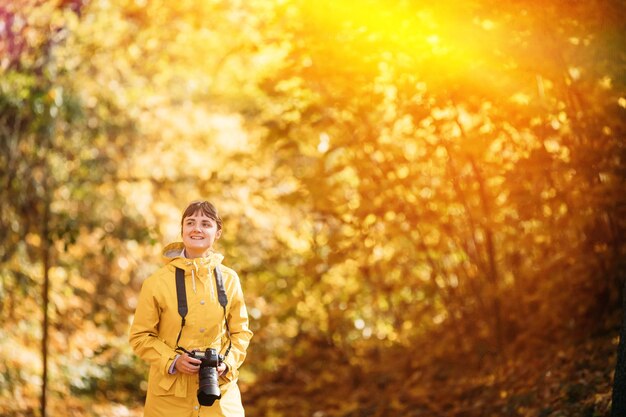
(144, 332)
(240, 333)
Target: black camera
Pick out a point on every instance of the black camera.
(209, 390)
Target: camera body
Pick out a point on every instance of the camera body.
(208, 390)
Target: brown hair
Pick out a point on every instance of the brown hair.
(203, 207)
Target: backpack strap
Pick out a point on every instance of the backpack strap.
(181, 294)
(223, 299)
(183, 309)
(221, 292)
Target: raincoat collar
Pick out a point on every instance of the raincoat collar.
(173, 254)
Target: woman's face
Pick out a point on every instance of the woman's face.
(199, 234)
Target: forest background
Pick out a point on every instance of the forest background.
(424, 200)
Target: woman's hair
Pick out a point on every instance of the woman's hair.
(203, 207)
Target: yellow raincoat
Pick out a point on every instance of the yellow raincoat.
(157, 323)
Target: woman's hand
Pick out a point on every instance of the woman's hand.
(222, 369)
(187, 365)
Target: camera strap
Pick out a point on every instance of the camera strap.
(183, 309)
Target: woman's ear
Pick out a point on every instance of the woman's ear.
(218, 234)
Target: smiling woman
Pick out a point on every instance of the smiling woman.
(176, 324)
(201, 226)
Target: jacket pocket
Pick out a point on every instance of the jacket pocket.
(164, 384)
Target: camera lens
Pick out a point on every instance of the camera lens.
(209, 390)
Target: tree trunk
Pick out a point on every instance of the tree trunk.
(618, 408)
(45, 296)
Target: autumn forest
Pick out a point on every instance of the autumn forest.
(425, 201)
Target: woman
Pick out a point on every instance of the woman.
(161, 337)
